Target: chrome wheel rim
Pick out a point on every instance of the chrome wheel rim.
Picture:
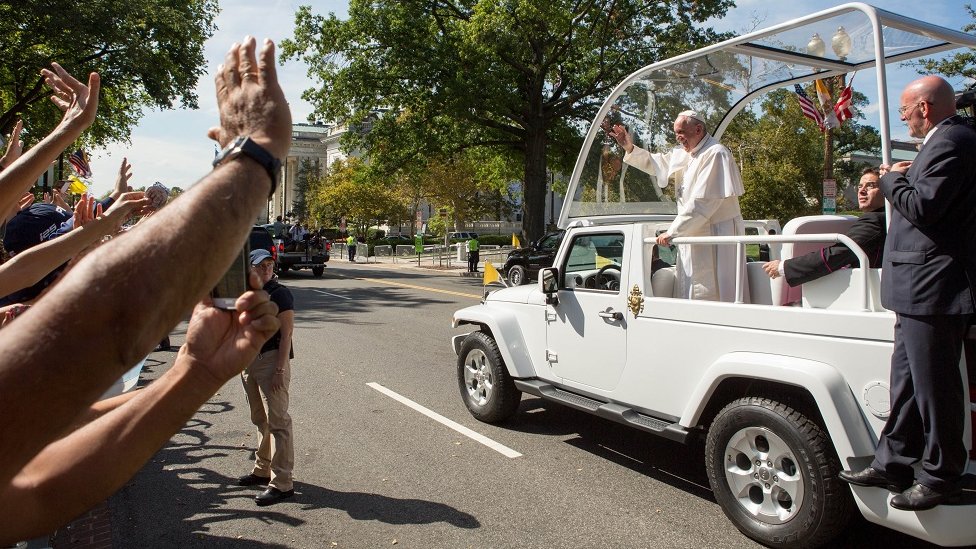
(515, 277)
(478, 380)
(763, 475)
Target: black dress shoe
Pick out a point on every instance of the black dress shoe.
(869, 476)
(920, 497)
(271, 496)
(251, 479)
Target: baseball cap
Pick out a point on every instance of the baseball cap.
(259, 255)
(32, 226)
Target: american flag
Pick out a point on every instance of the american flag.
(809, 109)
(843, 109)
(79, 161)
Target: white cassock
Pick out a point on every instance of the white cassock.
(708, 205)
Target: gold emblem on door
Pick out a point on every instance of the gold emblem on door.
(636, 301)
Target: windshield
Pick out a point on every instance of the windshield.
(720, 80)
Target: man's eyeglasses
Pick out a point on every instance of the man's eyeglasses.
(909, 108)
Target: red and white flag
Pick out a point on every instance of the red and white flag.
(844, 108)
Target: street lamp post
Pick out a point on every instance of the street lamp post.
(841, 44)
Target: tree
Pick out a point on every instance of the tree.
(308, 172)
(961, 64)
(780, 155)
(149, 53)
(521, 75)
(350, 190)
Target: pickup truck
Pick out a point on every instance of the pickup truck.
(786, 386)
(310, 253)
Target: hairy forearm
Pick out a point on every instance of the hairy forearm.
(23, 172)
(31, 265)
(112, 308)
(82, 469)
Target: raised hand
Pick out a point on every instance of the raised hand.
(250, 99)
(222, 343)
(86, 210)
(14, 146)
(78, 101)
(122, 180)
(127, 205)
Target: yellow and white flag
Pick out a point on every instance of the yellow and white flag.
(492, 275)
(515, 241)
(76, 185)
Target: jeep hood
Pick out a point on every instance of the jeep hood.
(516, 294)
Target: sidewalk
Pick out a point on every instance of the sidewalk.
(428, 262)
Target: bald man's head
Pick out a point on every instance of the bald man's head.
(926, 102)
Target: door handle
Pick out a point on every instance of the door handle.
(610, 314)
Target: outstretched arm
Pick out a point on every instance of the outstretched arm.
(33, 264)
(143, 282)
(76, 472)
(79, 103)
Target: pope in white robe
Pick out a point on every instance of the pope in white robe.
(709, 184)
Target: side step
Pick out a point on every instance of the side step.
(607, 410)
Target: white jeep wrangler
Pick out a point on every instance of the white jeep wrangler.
(785, 396)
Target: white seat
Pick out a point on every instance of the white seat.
(663, 282)
(841, 290)
(810, 224)
(761, 287)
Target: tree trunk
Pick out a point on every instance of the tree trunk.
(534, 188)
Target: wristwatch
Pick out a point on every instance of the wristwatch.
(246, 146)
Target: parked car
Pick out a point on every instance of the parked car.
(461, 236)
(524, 264)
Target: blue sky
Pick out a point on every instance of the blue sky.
(172, 147)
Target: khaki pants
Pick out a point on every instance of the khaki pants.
(269, 413)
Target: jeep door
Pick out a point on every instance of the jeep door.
(587, 329)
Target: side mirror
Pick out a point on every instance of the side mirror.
(549, 278)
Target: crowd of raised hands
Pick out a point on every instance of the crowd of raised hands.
(105, 296)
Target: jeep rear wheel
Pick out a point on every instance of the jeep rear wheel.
(516, 275)
(774, 472)
(486, 388)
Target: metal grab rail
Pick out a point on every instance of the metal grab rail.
(740, 253)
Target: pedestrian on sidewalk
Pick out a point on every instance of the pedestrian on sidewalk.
(266, 383)
(474, 248)
(351, 247)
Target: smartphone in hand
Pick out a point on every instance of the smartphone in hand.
(234, 282)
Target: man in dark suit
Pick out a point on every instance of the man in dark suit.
(868, 232)
(929, 268)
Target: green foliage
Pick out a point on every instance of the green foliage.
(306, 178)
(521, 77)
(781, 156)
(961, 64)
(149, 53)
(350, 190)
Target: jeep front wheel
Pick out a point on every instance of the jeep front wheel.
(516, 275)
(774, 472)
(486, 388)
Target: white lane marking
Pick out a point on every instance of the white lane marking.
(477, 437)
(333, 295)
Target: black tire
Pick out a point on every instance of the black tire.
(792, 496)
(517, 275)
(486, 388)
(317, 272)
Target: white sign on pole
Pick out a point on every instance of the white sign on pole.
(829, 205)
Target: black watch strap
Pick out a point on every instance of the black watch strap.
(246, 146)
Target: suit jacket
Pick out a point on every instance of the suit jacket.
(930, 253)
(868, 232)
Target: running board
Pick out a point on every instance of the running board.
(607, 410)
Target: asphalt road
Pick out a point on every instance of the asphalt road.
(373, 472)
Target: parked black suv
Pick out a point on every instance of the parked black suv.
(524, 263)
